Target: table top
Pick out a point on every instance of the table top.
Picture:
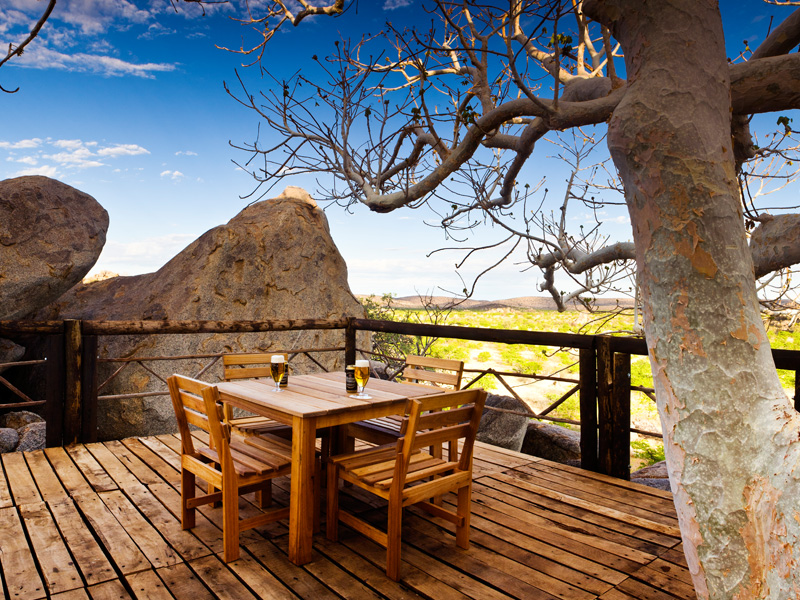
(320, 394)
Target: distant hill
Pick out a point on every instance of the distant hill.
(521, 303)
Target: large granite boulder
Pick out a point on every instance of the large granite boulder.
(505, 429)
(655, 475)
(9, 352)
(274, 260)
(552, 442)
(50, 236)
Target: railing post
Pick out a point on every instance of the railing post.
(350, 343)
(73, 414)
(621, 423)
(797, 390)
(588, 408)
(605, 406)
(54, 392)
(89, 389)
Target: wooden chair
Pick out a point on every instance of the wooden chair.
(228, 465)
(396, 471)
(418, 369)
(252, 366)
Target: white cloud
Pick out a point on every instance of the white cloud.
(109, 66)
(393, 4)
(142, 256)
(25, 160)
(76, 156)
(122, 150)
(69, 144)
(22, 144)
(174, 175)
(46, 170)
(185, 153)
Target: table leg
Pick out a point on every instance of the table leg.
(301, 502)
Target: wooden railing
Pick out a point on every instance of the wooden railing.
(604, 381)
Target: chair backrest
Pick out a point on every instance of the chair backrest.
(447, 417)
(248, 366)
(197, 403)
(447, 370)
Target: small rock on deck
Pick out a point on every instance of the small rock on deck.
(102, 521)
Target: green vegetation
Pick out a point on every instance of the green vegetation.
(542, 360)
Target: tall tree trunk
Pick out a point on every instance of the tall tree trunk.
(731, 434)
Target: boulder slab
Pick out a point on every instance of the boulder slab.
(552, 442)
(503, 429)
(50, 236)
(274, 260)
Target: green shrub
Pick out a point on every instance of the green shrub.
(484, 356)
(650, 451)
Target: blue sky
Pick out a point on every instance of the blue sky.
(125, 101)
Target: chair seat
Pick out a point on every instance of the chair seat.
(260, 426)
(268, 456)
(384, 430)
(375, 467)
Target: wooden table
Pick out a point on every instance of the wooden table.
(312, 402)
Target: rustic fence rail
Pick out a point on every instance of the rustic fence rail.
(604, 381)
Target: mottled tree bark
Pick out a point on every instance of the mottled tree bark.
(731, 435)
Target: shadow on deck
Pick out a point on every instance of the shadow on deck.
(100, 521)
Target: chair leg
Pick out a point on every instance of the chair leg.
(187, 493)
(393, 541)
(230, 519)
(264, 495)
(318, 476)
(462, 531)
(332, 524)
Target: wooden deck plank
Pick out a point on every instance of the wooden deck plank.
(91, 469)
(224, 584)
(46, 479)
(143, 533)
(55, 563)
(146, 585)
(19, 571)
(112, 535)
(20, 480)
(5, 492)
(538, 531)
(92, 562)
(68, 474)
(110, 590)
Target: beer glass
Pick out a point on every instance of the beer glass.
(362, 377)
(277, 367)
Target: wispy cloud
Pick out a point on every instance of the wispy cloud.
(185, 153)
(122, 150)
(22, 144)
(65, 154)
(109, 66)
(46, 170)
(174, 175)
(393, 4)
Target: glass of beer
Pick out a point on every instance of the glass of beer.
(362, 377)
(277, 368)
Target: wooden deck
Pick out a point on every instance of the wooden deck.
(99, 521)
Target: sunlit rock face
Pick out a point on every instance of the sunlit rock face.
(274, 260)
(50, 236)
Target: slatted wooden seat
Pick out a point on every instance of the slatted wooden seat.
(404, 474)
(252, 366)
(233, 466)
(422, 370)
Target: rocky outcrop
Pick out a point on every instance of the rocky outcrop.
(50, 236)
(503, 429)
(656, 475)
(22, 431)
(552, 442)
(9, 352)
(274, 260)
